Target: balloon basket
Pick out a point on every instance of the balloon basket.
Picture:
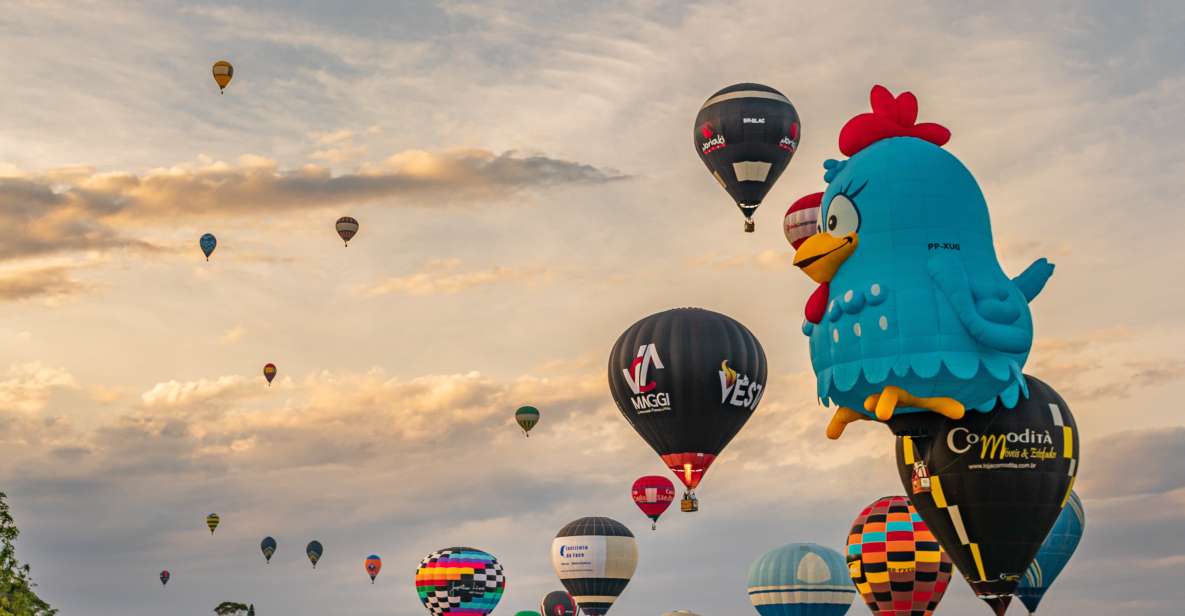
(750, 225)
(689, 503)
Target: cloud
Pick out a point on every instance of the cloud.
(767, 260)
(445, 277)
(233, 335)
(81, 209)
(1134, 463)
(49, 281)
(29, 386)
(177, 393)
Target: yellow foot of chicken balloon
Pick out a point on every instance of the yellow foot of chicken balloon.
(840, 420)
(886, 402)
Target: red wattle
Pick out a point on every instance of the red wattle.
(816, 305)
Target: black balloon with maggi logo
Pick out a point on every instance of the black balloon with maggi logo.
(991, 485)
(687, 380)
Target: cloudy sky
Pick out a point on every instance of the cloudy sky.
(527, 189)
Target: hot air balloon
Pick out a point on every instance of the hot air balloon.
(800, 579)
(746, 135)
(460, 581)
(687, 380)
(594, 559)
(991, 485)
(212, 521)
(527, 417)
(526, 613)
(653, 494)
(208, 243)
(680, 613)
(895, 561)
(164, 577)
(314, 549)
(347, 228)
(373, 564)
(268, 546)
(223, 73)
(1055, 552)
(558, 603)
(269, 373)
(802, 219)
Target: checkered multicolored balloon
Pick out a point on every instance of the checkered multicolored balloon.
(895, 561)
(460, 582)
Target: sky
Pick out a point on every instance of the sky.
(526, 186)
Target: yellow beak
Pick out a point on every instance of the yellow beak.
(822, 253)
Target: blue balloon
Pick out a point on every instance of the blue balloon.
(208, 242)
(1055, 552)
(314, 551)
(268, 547)
(801, 579)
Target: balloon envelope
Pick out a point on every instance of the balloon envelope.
(1055, 552)
(208, 243)
(347, 228)
(687, 380)
(653, 494)
(993, 485)
(314, 550)
(269, 372)
(526, 613)
(223, 73)
(164, 577)
(373, 565)
(800, 579)
(558, 603)
(802, 219)
(212, 521)
(594, 558)
(746, 134)
(268, 547)
(895, 561)
(460, 581)
(527, 417)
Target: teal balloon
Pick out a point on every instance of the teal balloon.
(801, 579)
(314, 551)
(1055, 552)
(526, 613)
(268, 547)
(208, 243)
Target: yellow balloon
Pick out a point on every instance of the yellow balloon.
(223, 72)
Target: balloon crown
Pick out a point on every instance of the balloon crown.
(891, 116)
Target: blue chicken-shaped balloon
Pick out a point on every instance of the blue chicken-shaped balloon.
(913, 312)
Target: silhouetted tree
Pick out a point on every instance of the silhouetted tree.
(230, 608)
(16, 582)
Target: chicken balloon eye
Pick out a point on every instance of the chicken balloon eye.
(842, 216)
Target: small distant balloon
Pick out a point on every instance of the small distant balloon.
(269, 373)
(314, 550)
(347, 228)
(208, 243)
(527, 417)
(223, 73)
(212, 521)
(558, 603)
(373, 564)
(653, 494)
(164, 577)
(268, 547)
